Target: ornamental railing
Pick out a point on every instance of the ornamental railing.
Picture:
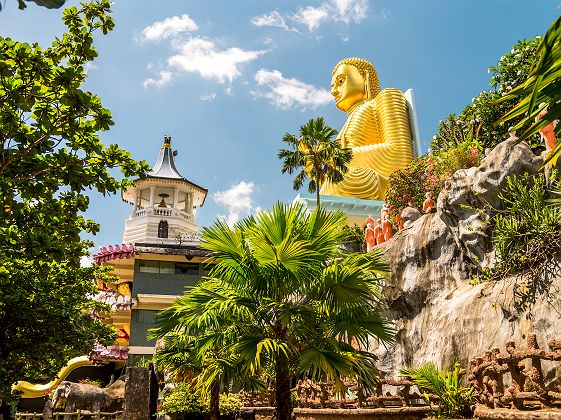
(159, 211)
(514, 379)
(76, 415)
(390, 393)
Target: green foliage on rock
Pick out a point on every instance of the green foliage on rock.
(50, 155)
(411, 184)
(453, 397)
(478, 119)
(279, 296)
(527, 230)
(427, 174)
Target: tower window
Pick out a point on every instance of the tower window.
(163, 229)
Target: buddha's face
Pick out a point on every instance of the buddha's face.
(347, 87)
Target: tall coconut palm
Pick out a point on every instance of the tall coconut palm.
(317, 154)
(281, 294)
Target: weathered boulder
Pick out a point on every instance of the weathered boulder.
(439, 315)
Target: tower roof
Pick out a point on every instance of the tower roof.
(165, 165)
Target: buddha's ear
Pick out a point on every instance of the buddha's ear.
(367, 86)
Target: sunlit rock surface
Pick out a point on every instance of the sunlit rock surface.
(438, 315)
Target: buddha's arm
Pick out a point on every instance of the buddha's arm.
(395, 148)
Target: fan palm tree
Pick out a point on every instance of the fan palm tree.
(317, 154)
(280, 294)
(541, 92)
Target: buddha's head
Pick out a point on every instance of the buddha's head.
(353, 80)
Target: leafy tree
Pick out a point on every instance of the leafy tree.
(318, 155)
(477, 121)
(49, 4)
(281, 294)
(50, 154)
(541, 92)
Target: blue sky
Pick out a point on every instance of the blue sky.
(226, 79)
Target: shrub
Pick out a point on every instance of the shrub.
(480, 116)
(354, 234)
(461, 156)
(427, 174)
(527, 232)
(454, 399)
(230, 404)
(182, 399)
(411, 183)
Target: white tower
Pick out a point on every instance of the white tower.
(163, 203)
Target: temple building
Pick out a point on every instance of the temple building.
(159, 256)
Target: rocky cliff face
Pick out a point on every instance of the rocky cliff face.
(439, 315)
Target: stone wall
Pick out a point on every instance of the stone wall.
(439, 315)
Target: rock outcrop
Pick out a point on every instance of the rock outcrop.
(441, 317)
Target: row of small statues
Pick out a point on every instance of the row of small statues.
(381, 230)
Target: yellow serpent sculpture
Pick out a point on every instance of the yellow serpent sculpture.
(30, 390)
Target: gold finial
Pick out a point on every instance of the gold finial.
(366, 70)
(167, 141)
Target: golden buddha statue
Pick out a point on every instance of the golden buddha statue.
(377, 129)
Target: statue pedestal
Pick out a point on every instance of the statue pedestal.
(356, 209)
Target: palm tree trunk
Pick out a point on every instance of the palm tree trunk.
(214, 407)
(282, 389)
(317, 195)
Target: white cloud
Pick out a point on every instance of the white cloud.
(286, 93)
(310, 16)
(209, 97)
(166, 28)
(334, 11)
(347, 10)
(200, 55)
(273, 18)
(164, 78)
(238, 201)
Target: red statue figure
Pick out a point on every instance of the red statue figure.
(548, 132)
(370, 237)
(379, 232)
(387, 228)
(428, 204)
(399, 221)
(384, 212)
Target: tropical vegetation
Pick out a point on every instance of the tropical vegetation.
(427, 174)
(444, 387)
(540, 92)
(316, 154)
(462, 139)
(282, 298)
(51, 155)
(478, 120)
(205, 366)
(527, 228)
